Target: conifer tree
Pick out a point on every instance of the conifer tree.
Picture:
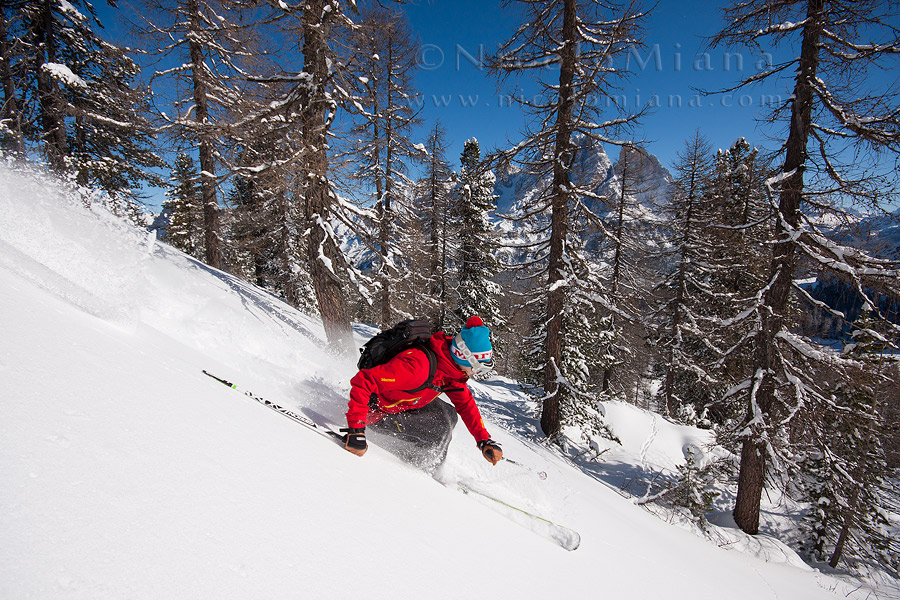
(437, 225)
(835, 112)
(252, 233)
(78, 91)
(625, 246)
(184, 208)
(476, 262)
(12, 120)
(848, 480)
(387, 50)
(684, 324)
(579, 40)
(206, 41)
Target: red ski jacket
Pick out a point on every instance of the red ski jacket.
(407, 371)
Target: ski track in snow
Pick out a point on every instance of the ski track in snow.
(127, 473)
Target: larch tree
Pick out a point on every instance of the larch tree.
(839, 121)
(568, 48)
(387, 63)
(436, 224)
(317, 107)
(203, 39)
(683, 324)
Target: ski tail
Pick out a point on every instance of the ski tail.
(562, 536)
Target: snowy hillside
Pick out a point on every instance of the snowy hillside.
(126, 473)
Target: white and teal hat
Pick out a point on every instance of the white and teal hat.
(472, 346)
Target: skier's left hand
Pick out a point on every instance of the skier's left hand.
(491, 451)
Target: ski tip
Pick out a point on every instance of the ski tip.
(573, 542)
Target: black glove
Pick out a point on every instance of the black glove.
(491, 451)
(355, 440)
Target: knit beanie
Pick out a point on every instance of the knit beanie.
(477, 338)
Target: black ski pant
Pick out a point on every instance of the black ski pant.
(420, 436)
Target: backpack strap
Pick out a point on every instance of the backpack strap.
(432, 368)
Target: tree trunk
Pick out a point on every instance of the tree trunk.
(754, 453)
(617, 259)
(849, 521)
(681, 291)
(15, 142)
(559, 223)
(387, 268)
(52, 112)
(211, 215)
(323, 254)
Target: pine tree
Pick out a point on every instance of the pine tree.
(848, 480)
(833, 106)
(387, 51)
(476, 292)
(184, 208)
(79, 92)
(12, 121)
(685, 331)
(579, 40)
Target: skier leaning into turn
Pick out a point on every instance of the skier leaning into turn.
(421, 426)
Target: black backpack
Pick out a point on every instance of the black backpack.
(391, 342)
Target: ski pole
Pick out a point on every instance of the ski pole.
(297, 418)
(541, 474)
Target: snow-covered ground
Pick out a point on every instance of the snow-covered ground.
(127, 473)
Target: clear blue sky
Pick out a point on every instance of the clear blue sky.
(674, 62)
(454, 88)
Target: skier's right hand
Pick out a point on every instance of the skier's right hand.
(355, 440)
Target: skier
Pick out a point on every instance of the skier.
(419, 426)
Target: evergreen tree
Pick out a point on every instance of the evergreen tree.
(251, 232)
(184, 208)
(477, 293)
(685, 331)
(78, 92)
(833, 105)
(848, 480)
(12, 121)
(579, 39)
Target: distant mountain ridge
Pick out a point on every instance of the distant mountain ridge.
(649, 181)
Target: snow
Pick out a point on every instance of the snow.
(127, 473)
(63, 74)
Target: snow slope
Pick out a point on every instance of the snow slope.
(126, 473)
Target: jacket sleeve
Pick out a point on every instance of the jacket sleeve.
(464, 403)
(405, 371)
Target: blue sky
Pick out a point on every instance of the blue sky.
(455, 88)
(674, 62)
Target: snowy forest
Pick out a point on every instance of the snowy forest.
(751, 291)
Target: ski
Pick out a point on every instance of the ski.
(297, 418)
(565, 538)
